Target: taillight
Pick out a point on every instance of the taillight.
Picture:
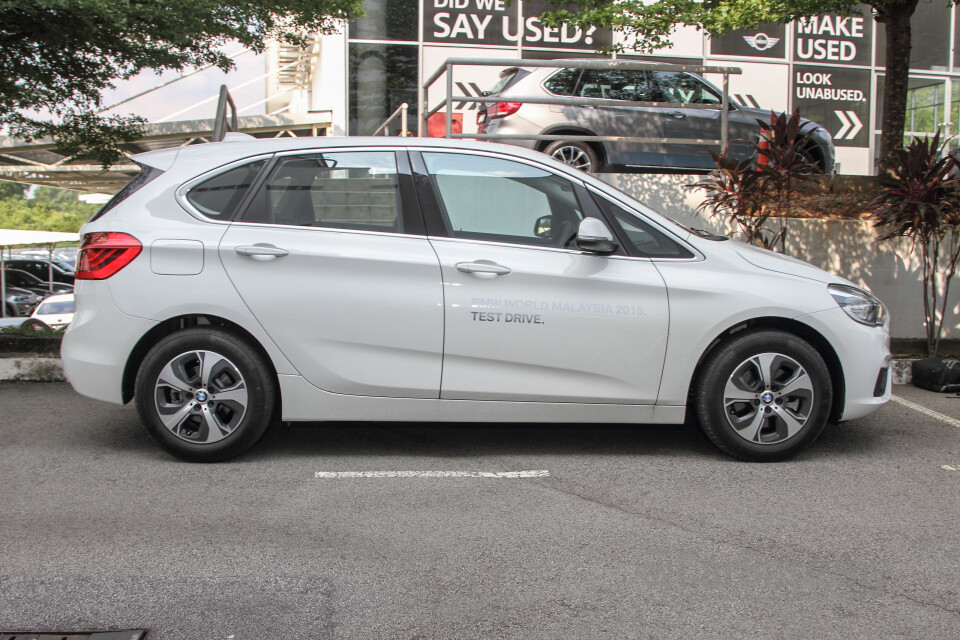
(104, 254)
(504, 109)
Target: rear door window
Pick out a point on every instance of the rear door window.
(356, 190)
(621, 84)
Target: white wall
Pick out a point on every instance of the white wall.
(847, 248)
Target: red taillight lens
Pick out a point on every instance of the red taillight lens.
(504, 109)
(104, 254)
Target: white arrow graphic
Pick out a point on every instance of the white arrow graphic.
(846, 125)
(851, 125)
(857, 125)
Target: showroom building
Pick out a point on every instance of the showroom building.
(829, 67)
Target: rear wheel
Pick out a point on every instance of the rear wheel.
(578, 155)
(763, 395)
(205, 394)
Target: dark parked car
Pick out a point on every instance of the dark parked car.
(42, 268)
(20, 302)
(28, 281)
(667, 123)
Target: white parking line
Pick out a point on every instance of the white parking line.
(928, 412)
(541, 473)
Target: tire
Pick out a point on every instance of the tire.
(578, 155)
(205, 415)
(752, 418)
(34, 324)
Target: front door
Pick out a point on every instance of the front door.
(529, 317)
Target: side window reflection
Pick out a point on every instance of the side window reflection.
(647, 241)
(504, 201)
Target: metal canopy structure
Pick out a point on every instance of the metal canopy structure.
(39, 163)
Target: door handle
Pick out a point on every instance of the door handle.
(261, 251)
(674, 114)
(483, 267)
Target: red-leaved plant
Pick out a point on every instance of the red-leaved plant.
(919, 201)
(750, 192)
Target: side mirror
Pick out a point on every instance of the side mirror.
(543, 226)
(594, 236)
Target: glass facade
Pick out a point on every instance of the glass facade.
(828, 66)
(382, 77)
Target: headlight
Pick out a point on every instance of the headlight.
(858, 304)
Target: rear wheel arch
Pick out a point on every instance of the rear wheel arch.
(178, 323)
(803, 331)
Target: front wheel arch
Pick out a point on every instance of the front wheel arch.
(804, 332)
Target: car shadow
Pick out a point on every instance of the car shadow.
(342, 439)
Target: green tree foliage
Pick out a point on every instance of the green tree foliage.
(49, 210)
(56, 56)
(649, 23)
(12, 190)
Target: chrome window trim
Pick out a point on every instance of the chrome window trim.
(388, 234)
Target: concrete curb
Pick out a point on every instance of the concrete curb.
(51, 370)
(32, 369)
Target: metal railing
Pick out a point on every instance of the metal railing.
(401, 111)
(450, 99)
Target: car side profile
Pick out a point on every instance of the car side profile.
(660, 118)
(234, 284)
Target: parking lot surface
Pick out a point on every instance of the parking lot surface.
(617, 532)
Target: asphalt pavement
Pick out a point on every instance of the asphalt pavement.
(624, 532)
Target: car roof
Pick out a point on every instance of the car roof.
(236, 148)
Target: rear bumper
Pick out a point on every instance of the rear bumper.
(98, 342)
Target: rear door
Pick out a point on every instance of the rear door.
(331, 259)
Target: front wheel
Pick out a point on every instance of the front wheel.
(205, 394)
(763, 395)
(578, 155)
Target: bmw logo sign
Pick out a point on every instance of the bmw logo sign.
(201, 396)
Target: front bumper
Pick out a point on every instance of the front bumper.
(864, 352)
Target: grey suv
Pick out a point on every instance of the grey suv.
(664, 122)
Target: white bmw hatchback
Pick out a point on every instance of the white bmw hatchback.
(234, 284)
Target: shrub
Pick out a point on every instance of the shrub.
(919, 202)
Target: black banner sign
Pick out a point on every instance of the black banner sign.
(836, 98)
(494, 23)
(833, 39)
(767, 41)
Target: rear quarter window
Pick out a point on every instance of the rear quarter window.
(218, 197)
(563, 82)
